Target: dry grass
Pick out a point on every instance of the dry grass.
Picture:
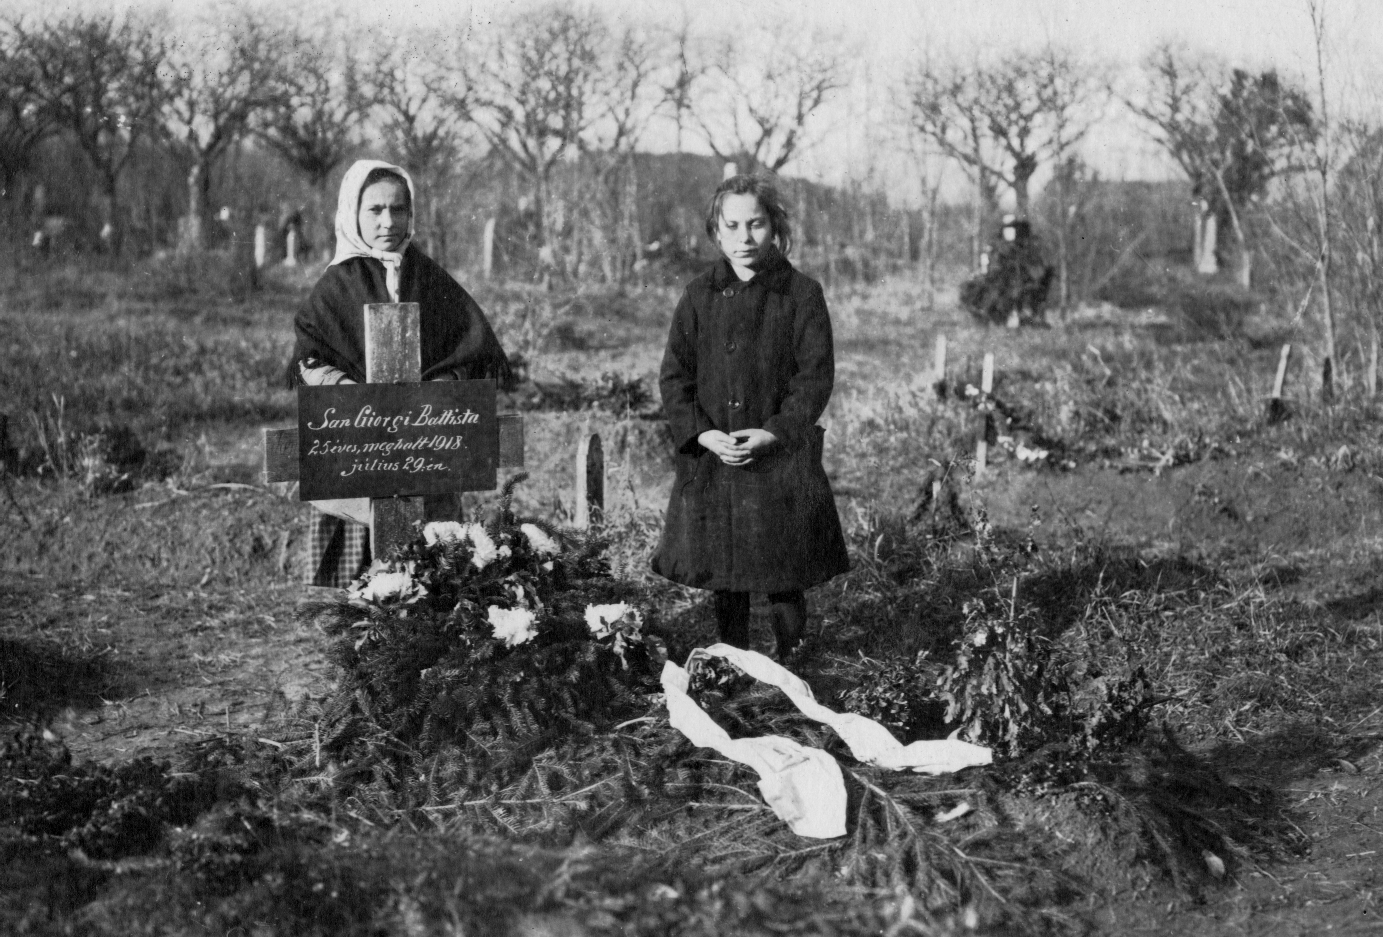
(633, 830)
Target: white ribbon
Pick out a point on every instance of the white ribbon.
(803, 785)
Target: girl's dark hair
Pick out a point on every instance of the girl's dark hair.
(379, 174)
(762, 189)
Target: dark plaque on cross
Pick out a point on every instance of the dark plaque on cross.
(394, 439)
(401, 440)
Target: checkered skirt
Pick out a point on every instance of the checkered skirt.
(338, 551)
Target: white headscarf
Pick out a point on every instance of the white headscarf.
(349, 244)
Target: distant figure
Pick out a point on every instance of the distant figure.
(52, 234)
(375, 263)
(747, 372)
(1014, 279)
(290, 236)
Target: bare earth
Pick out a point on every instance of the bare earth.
(191, 663)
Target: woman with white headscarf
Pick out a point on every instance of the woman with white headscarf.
(375, 262)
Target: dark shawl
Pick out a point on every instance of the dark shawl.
(456, 337)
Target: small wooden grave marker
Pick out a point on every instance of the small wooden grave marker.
(1277, 411)
(400, 441)
(1373, 366)
(986, 417)
(939, 366)
(9, 456)
(590, 482)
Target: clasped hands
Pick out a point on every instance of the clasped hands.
(738, 448)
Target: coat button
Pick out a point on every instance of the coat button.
(728, 292)
(735, 404)
(730, 346)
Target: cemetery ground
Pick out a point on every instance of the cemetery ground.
(1142, 518)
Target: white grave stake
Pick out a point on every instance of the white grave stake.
(982, 434)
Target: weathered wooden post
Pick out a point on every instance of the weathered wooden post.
(1276, 409)
(244, 271)
(986, 416)
(487, 249)
(939, 367)
(393, 353)
(9, 457)
(590, 482)
(1207, 262)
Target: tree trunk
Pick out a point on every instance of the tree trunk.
(1208, 262)
(926, 250)
(1063, 291)
(111, 233)
(977, 237)
(1020, 193)
(244, 279)
(547, 250)
(194, 225)
(321, 228)
(1243, 270)
(1328, 315)
(437, 228)
(1197, 232)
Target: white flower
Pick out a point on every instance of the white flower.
(435, 532)
(542, 543)
(604, 619)
(483, 547)
(390, 585)
(512, 627)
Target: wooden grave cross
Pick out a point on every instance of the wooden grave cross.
(393, 355)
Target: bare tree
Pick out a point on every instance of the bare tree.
(1321, 159)
(628, 99)
(1359, 198)
(420, 103)
(628, 95)
(1003, 120)
(218, 78)
(945, 105)
(681, 78)
(1077, 94)
(315, 113)
(99, 79)
(23, 120)
(760, 93)
(1314, 142)
(931, 173)
(531, 95)
(1231, 131)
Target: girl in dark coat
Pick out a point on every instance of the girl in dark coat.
(747, 372)
(375, 263)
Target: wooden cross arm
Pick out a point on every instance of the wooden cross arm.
(281, 449)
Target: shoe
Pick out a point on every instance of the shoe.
(789, 647)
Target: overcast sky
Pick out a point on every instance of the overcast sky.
(888, 35)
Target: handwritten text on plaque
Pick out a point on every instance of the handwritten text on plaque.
(410, 439)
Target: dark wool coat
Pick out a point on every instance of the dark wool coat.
(740, 355)
(457, 341)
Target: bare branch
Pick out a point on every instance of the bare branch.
(316, 106)
(757, 101)
(99, 79)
